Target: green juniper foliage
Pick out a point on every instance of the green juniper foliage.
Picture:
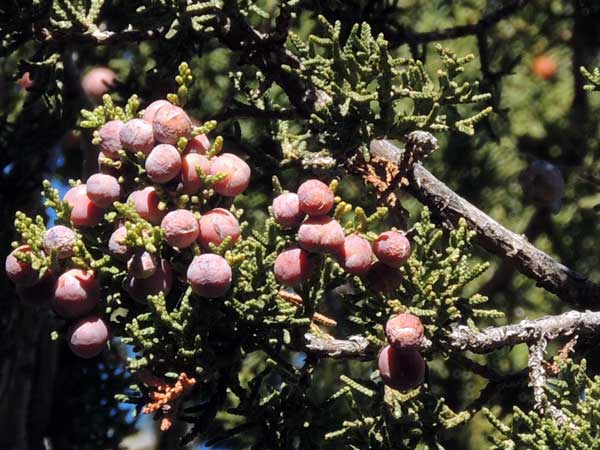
(211, 339)
(593, 78)
(573, 393)
(301, 87)
(365, 93)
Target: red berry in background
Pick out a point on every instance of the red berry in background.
(142, 265)
(61, 239)
(103, 189)
(383, 278)
(152, 108)
(286, 210)
(171, 123)
(356, 255)
(85, 212)
(401, 369)
(237, 174)
(162, 281)
(181, 228)
(88, 336)
(98, 81)
(163, 163)
(198, 144)
(146, 203)
(190, 181)
(392, 248)
(110, 141)
(137, 136)
(315, 197)
(405, 332)
(19, 272)
(76, 292)
(209, 275)
(40, 293)
(544, 66)
(116, 244)
(321, 234)
(25, 81)
(216, 225)
(293, 266)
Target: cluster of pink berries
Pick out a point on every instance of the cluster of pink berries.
(401, 366)
(73, 295)
(320, 233)
(153, 139)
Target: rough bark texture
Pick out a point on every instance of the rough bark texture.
(528, 331)
(570, 324)
(355, 347)
(514, 249)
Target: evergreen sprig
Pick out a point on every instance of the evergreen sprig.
(362, 88)
(593, 78)
(571, 422)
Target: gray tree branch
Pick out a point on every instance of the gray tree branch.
(548, 273)
(462, 338)
(513, 248)
(355, 347)
(569, 324)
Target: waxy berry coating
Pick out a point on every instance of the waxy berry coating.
(85, 213)
(356, 255)
(152, 108)
(405, 332)
(20, 273)
(209, 275)
(145, 202)
(315, 197)
(88, 336)
(171, 123)
(293, 266)
(110, 141)
(216, 225)
(190, 181)
(181, 228)
(237, 174)
(103, 189)
(198, 144)
(392, 248)
(162, 281)
(163, 163)
(286, 210)
(116, 244)
(321, 234)
(76, 292)
(401, 369)
(61, 239)
(98, 81)
(137, 135)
